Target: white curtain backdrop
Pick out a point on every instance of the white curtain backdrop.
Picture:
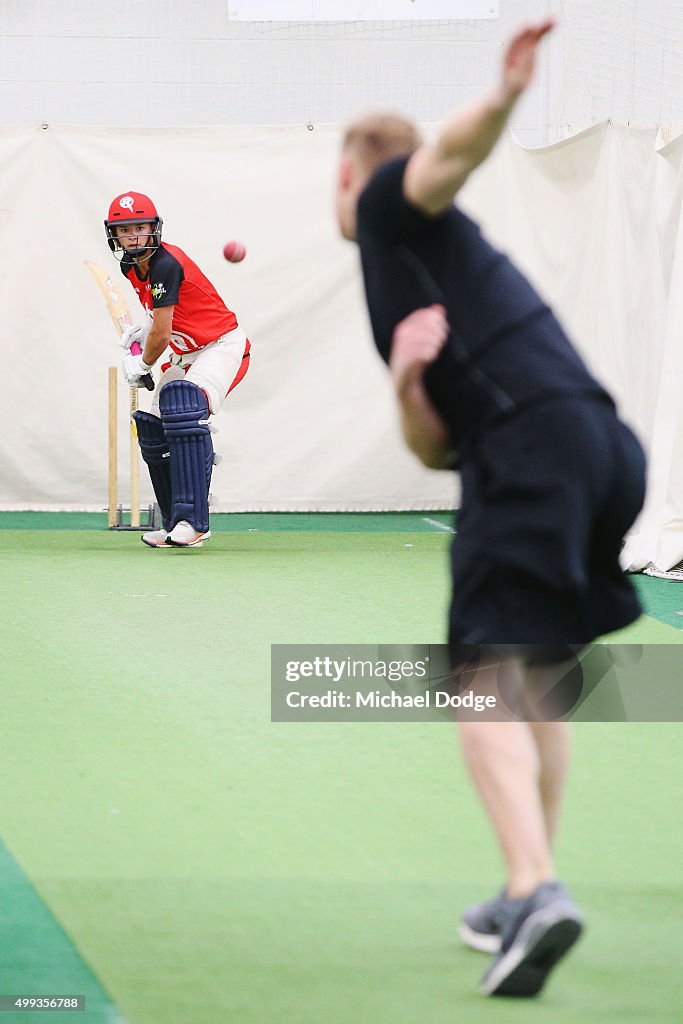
(595, 221)
(312, 426)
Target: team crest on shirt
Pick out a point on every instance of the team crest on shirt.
(157, 291)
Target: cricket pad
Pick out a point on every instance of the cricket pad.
(185, 419)
(156, 453)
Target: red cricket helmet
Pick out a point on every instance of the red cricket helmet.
(133, 208)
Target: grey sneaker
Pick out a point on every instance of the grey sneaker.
(156, 539)
(545, 928)
(482, 924)
(184, 535)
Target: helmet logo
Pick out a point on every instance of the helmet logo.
(126, 202)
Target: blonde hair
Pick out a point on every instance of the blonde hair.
(376, 138)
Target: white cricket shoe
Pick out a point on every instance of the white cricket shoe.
(156, 539)
(184, 535)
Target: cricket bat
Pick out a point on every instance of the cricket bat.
(121, 318)
(118, 310)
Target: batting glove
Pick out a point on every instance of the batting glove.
(134, 369)
(136, 332)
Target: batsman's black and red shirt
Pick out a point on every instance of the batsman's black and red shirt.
(200, 315)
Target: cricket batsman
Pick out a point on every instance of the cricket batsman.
(210, 356)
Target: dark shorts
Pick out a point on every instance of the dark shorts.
(548, 495)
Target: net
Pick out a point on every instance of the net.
(324, 72)
(621, 61)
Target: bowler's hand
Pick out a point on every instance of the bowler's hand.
(520, 58)
(417, 342)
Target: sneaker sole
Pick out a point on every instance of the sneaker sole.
(544, 938)
(152, 544)
(192, 544)
(480, 941)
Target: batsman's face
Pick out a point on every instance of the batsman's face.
(133, 236)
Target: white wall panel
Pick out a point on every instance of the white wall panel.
(360, 10)
(168, 62)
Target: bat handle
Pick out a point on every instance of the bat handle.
(148, 379)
